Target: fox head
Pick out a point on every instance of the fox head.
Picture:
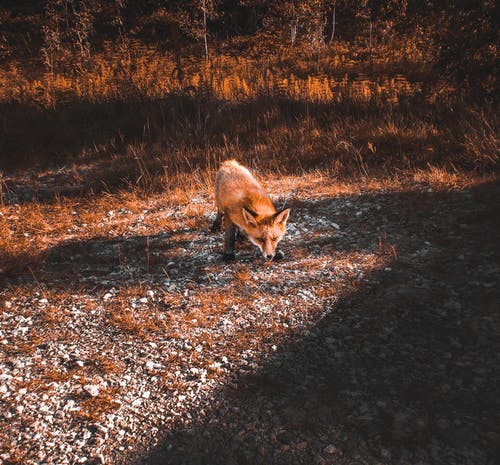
(265, 232)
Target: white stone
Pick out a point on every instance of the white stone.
(92, 389)
(330, 449)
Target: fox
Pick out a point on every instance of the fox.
(243, 204)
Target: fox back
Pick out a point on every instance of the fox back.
(243, 203)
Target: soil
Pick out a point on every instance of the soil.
(376, 339)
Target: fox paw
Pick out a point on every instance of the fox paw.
(228, 256)
(279, 255)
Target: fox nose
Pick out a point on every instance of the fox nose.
(269, 256)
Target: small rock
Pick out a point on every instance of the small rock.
(92, 389)
(385, 454)
(330, 449)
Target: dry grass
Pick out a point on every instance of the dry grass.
(147, 72)
(129, 121)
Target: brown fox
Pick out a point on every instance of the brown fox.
(243, 204)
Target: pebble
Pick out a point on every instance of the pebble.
(384, 453)
(92, 389)
(330, 449)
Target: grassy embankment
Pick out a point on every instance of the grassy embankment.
(139, 123)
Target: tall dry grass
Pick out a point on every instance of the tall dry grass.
(140, 118)
(139, 71)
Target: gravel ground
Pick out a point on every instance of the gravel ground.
(375, 341)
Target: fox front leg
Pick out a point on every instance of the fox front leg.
(217, 222)
(229, 238)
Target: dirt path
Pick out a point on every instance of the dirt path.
(376, 340)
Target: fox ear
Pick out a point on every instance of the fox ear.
(282, 217)
(249, 217)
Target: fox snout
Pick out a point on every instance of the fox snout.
(268, 249)
(266, 246)
(267, 232)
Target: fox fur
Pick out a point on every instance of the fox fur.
(242, 203)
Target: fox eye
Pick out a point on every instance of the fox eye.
(274, 238)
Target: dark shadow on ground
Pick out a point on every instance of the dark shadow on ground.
(405, 370)
(100, 263)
